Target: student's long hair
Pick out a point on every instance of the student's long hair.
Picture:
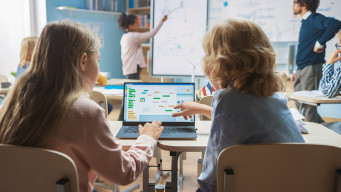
(27, 48)
(36, 105)
(125, 20)
(239, 54)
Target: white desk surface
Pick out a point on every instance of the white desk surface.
(117, 82)
(318, 134)
(116, 94)
(317, 100)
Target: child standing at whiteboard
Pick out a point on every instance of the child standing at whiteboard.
(239, 61)
(131, 50)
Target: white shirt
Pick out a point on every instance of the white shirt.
(306, 15)
(131, 50)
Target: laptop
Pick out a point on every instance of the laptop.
(147, 102)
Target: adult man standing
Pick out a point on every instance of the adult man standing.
(315, 31)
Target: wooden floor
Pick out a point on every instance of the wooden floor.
(190, 164)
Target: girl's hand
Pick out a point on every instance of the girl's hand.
(164, 18)
(153, 129)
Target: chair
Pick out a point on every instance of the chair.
(207, 101)
(280, 168)
(3, 78)
(35, 169)
(99, 98)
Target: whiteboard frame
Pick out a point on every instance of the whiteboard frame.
(150, 60)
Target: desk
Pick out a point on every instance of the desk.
(117, 82)
(115, 94)
(318, 134)
(316, 101)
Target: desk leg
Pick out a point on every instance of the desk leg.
(159, 173)
(181, 171)
(147, 187)
(300, 109)
(173, 186)
(145, 179)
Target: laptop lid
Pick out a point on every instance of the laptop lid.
(147, 102)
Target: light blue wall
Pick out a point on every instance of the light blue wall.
(111, 51)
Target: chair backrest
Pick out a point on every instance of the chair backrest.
(279, 167)
(207, 101)
(35, 169)
(100, 98)
(3, 78)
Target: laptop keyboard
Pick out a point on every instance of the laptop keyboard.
(167, 129)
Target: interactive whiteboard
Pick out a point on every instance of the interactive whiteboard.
(177, 47)
(275, 17)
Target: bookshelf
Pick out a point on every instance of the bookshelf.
(141, 9)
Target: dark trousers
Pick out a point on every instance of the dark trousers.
(308, 79)
(135, 75)
(130, 76)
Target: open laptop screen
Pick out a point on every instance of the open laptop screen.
(146, 102)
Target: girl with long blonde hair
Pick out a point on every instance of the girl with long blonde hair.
(49, 107)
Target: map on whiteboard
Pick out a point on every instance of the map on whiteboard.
(177, 47)
(275, 17)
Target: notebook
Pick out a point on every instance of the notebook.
(147, 102)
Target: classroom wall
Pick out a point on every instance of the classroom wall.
(110, 53)
(14, 27)
(111, 34)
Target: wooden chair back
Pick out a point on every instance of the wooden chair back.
(36, 169)
(279, 167)
(100, 98)
(207, 101)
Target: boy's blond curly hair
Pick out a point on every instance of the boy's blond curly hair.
(239, 54)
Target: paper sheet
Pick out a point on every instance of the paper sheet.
(298, 117)
(313, 93)
(108, 91)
